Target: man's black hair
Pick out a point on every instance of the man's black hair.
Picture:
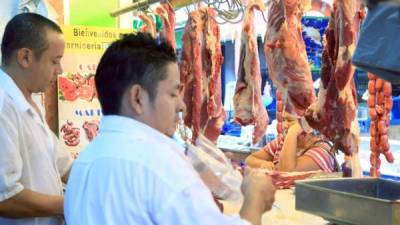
(26, 30)
(134, 59)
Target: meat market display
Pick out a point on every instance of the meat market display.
(167, 14)
(334, 113)
(380, 104)
(200, 74)
(248, 106)
(286, 55)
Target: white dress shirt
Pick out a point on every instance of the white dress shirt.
(132, 174)
(29, 157)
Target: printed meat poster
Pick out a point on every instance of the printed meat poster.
(79, 109)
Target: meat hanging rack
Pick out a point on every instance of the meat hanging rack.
(229, 11)
(235, 7)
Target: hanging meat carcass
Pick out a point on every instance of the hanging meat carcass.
(150, 26)
(247, 99)
(200, 70)
(167, 15)
(379, 104)
(286, 56)
(334, 113)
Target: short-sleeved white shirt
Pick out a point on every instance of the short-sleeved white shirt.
(132, 174)
(29, 157)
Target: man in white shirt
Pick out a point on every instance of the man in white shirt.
(32, 168)
(134, 172)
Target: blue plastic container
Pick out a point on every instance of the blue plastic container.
(395, 111)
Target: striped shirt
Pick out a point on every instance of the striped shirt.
(318, 152)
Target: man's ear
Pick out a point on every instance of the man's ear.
(24, 57)
(136, 94)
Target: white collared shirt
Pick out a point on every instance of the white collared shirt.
(29, 157)
(132, 174)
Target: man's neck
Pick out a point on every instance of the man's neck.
(19, 81)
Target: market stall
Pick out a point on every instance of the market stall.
(247, 69)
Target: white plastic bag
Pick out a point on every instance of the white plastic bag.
(215, 169)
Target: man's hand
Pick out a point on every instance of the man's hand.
(259, 195)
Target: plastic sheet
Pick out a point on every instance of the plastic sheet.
(215, 169)
(378, 49)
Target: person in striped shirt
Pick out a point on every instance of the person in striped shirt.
(300, 151)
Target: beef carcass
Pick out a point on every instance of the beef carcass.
(215, 115)
(380, 104)
(286, 55)
(200, 70)
(247, 99)
(190, 69)
(334, 113)
(167, 15)
(150, 26)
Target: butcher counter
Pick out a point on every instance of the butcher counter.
(283, 211)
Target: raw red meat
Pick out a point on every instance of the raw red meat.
(200, 69)
(249, 108)
(167, 14)
(150, 26)
(286, 55)
(334, 113)
(284, 180)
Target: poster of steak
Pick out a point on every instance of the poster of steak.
(79, 109)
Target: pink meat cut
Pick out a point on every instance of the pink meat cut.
(285, 180)
(150, 26)
(167, 15)
(286, 55)
(200, 69)
(247, 99)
